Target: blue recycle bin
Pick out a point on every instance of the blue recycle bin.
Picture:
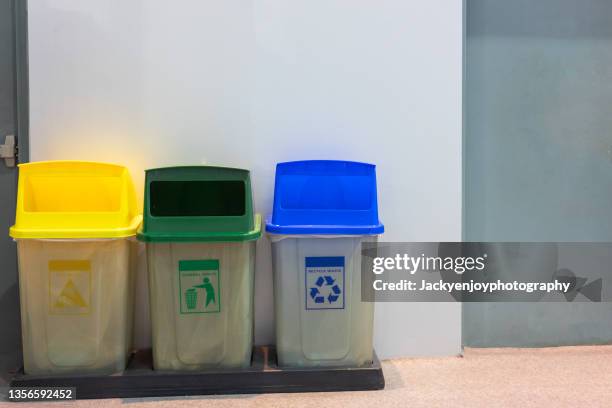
(323, 211)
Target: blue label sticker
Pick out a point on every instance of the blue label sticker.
(324, 282)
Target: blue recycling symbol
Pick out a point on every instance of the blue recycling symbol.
(327, 282)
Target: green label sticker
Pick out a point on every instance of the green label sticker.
(199, 286)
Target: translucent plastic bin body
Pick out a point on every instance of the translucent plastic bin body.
(76, 305)
(201, 304)
(312, 328)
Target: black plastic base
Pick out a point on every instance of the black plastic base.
(264, 376)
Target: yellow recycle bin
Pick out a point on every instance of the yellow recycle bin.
(72, 226)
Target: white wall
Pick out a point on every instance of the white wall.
(249, 83)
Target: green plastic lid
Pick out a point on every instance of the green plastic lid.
(198, 203)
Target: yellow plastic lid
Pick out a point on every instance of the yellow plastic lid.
(75, 199)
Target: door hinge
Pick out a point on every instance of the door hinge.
(8, 151)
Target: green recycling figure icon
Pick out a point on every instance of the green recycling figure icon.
(209, 289)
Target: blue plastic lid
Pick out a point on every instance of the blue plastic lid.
(325, 197)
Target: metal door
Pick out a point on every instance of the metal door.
(13, 127)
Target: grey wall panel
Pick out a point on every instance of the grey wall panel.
(538, 151)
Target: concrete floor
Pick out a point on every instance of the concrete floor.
(559, 377)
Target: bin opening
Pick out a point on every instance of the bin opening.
(201, 198)
(324, 193)
(72, 194)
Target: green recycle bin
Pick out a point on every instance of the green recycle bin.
(200, 233)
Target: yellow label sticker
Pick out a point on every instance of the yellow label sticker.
(69, 286)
